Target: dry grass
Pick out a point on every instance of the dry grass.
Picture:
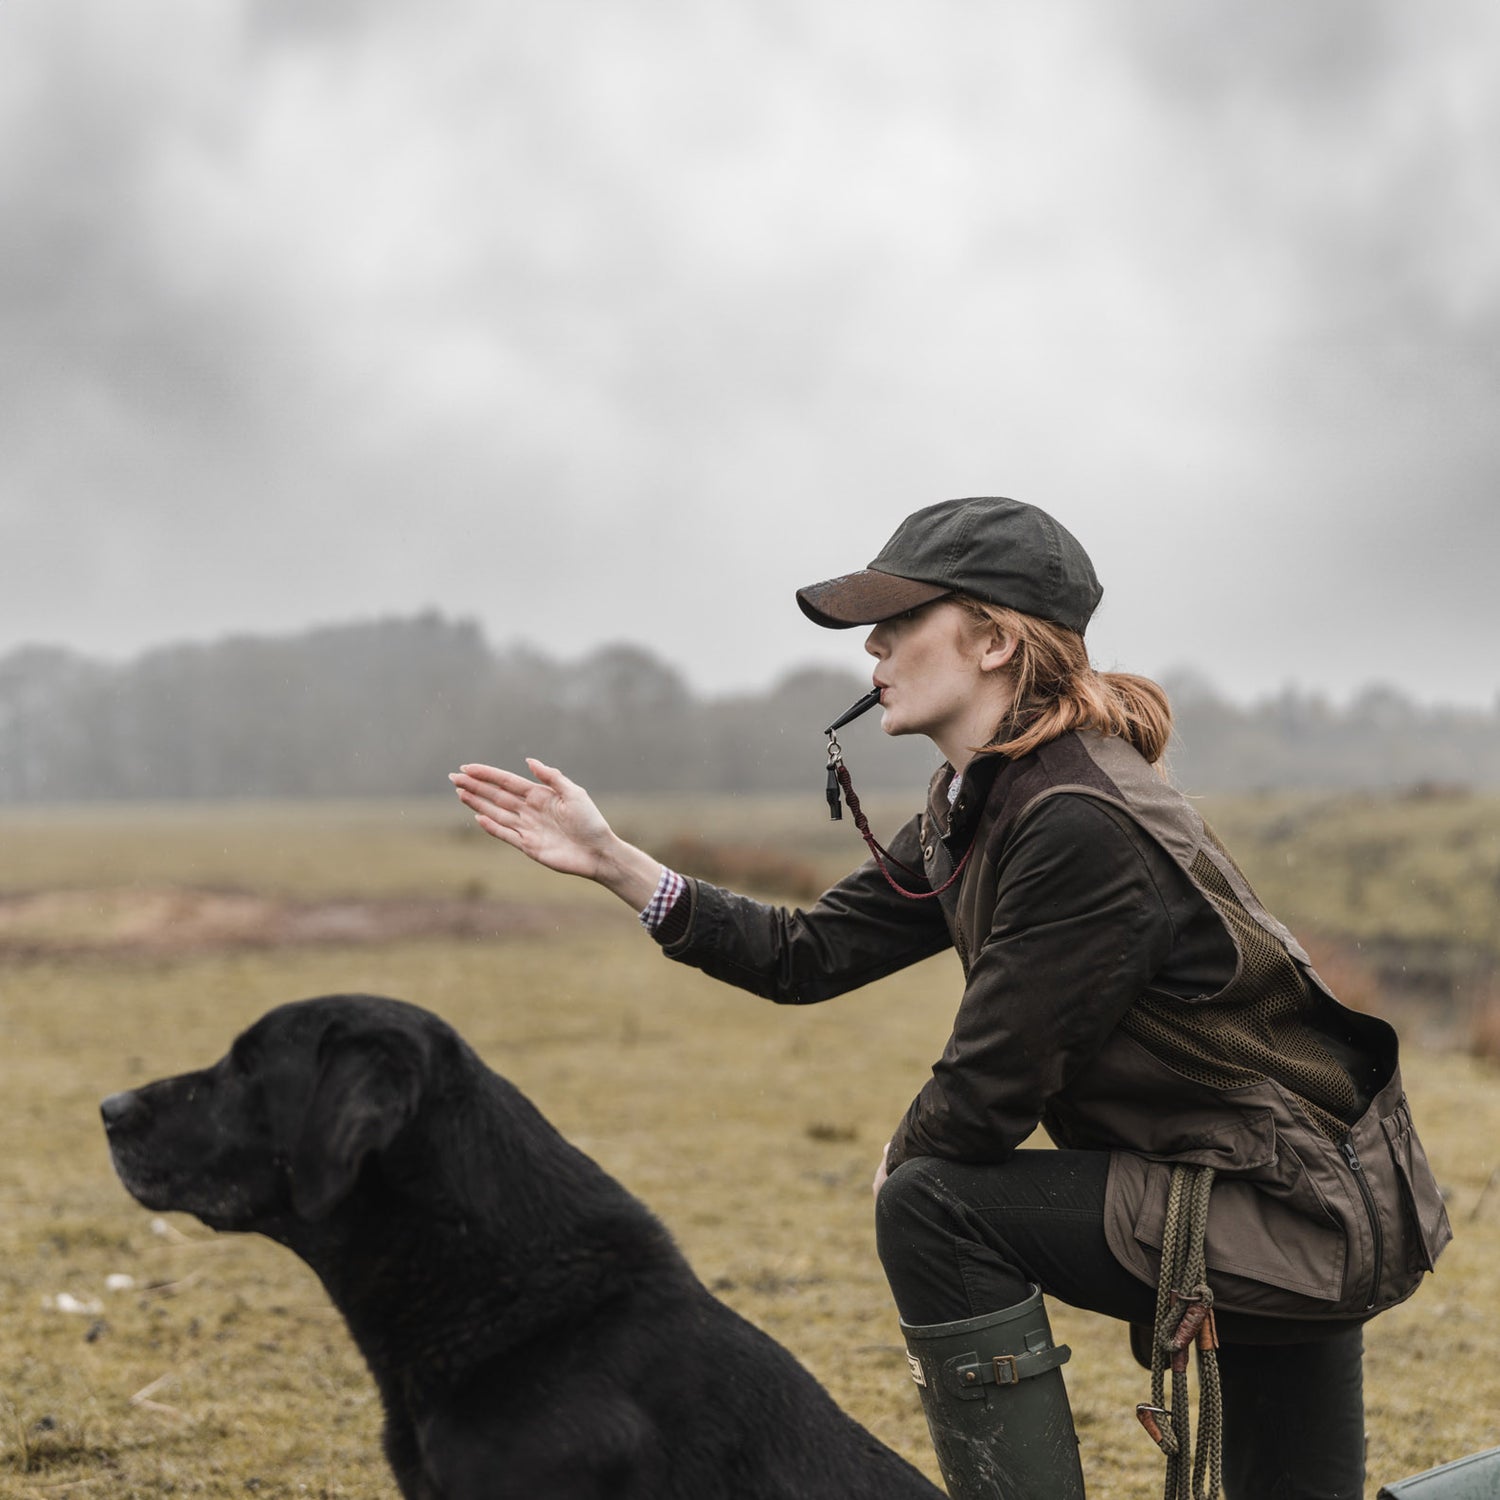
(1484, 1039)
(752, 1130)
(1413, 869)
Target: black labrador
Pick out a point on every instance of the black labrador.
(533, 1330)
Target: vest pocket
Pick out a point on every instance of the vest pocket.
(1426, 1218)
(1257, 1237)
(1241, 1141)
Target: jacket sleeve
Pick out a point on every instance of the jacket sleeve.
(1079, 928)
(858, 931)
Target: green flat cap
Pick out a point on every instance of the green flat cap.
(1002, 551)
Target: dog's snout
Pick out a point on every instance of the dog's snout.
(122, 1110)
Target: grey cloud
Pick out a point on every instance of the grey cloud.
(592, 320)
(1234, 57)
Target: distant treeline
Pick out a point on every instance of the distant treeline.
(387, 708)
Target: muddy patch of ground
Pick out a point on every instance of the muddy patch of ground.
(172, 919)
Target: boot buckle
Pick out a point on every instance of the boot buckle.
(971, 1374)
(1006, 1371)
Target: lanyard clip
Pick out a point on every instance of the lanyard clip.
(836, 753)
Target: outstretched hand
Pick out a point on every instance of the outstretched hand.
(551, 820)
(554, 821)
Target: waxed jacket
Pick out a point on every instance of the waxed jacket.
(1095, 913)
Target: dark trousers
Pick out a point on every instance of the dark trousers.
(958, 1241)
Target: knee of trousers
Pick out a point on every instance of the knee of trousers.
(911, 1204)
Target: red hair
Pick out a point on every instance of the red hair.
(1057, 689)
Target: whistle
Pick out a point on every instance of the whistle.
(855, 709)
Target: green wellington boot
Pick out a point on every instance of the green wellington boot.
(992, 1388)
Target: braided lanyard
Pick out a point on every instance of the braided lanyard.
(839, 780)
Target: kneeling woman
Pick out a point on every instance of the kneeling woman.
(1123, 987)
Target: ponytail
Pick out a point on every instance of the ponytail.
(1057, 689)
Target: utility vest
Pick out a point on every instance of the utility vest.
(1323, 1191)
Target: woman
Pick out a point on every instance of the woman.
(1123, 987)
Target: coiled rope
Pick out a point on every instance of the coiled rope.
(1184, 1319)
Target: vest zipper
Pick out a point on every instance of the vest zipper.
(1356, 1166)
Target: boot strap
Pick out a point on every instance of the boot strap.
(968, 1374)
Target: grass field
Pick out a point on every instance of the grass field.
(135, 942)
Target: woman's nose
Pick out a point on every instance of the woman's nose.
(875, 643)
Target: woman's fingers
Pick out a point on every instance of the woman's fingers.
(484, 809)
(497, 829)
(509, 827)
(549, 776)
(550, 819)
(484, 778)
(487, 797)
(502, 790)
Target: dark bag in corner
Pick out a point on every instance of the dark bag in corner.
(1476, 1477)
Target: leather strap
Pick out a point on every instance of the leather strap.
(969, 1374)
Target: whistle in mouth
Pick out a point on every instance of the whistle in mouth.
(855, 709)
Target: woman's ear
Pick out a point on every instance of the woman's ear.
(998, 650)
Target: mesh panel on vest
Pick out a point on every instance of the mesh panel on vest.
(1255, 1028)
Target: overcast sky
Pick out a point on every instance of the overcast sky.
(600, 322)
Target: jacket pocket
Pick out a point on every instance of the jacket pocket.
(1229, 1143)
(1426, 1218)
(1257, 1237)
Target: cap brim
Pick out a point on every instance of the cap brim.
(864, 598)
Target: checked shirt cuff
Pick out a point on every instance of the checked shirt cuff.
(668, 889)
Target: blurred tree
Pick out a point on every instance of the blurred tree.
(389, 706)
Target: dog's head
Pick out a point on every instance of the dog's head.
(279, 1130)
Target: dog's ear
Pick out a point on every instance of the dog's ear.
(368, 1088)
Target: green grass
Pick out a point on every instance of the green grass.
(1419, 869)
(421, 847)
(1413, 868)
(751, 1129)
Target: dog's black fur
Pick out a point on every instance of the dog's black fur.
(532, 1328)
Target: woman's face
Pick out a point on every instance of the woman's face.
(931, 669)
